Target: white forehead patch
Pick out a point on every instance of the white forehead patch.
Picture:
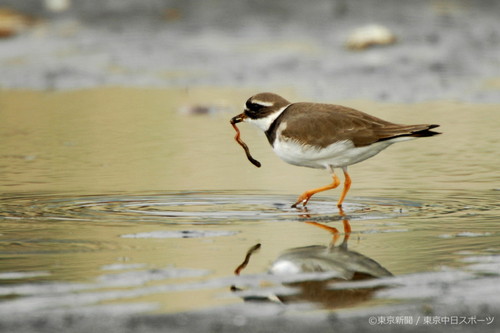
(256, 101)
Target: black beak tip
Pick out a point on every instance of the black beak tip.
(236, 119)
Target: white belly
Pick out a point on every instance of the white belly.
(337, 155)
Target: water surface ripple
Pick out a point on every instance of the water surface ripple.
(54, 246)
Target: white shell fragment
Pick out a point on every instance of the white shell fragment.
(57, 6)
(370, 35)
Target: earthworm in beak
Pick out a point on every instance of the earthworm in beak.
(238, 119)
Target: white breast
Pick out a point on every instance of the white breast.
(338, 154)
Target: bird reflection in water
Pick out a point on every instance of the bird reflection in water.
(318, 268)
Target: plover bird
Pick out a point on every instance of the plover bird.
(323, 136)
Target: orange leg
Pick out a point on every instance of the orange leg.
(347, 230)
(334, 231)
(347, 186)
(304, 197)
(325, 227)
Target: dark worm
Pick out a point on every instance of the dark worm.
(247, 258)
(245, 147)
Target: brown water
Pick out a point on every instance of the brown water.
(116, 199)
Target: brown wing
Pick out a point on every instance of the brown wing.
(308, 122)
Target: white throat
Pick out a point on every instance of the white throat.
(265, 123)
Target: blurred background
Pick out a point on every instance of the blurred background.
(114, 124)
(388, 50)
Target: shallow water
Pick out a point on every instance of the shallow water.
(117, 199)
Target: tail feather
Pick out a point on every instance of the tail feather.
(426, 132)
(417, 131)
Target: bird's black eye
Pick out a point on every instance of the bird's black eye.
(253, 109)
(253, 106)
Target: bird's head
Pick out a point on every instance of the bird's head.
(262, 109)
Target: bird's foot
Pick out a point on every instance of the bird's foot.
(303, 199)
